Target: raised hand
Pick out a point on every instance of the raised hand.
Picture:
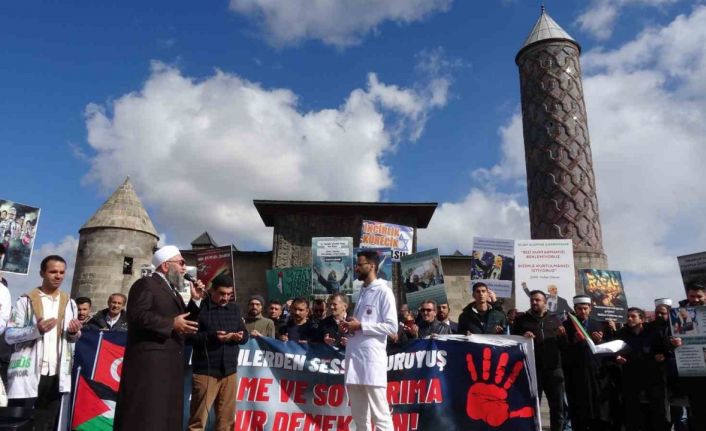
(46, 325)
(184, 326)
(487, 401)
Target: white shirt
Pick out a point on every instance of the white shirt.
(50, 305)
(111, 321)
(366, 355)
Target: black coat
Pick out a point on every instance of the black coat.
(210, 356)
(471, 322)
(100, 321)
(588, 379)
(547, 343)
(151, 392)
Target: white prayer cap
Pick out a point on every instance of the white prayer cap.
(582, 299)
(164, 254)
(663, 301)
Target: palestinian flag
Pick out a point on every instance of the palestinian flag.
(581, 332)
(96, 411)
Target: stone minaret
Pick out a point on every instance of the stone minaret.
(561, 186)
(112, 247)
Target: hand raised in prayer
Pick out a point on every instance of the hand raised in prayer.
(46, 325)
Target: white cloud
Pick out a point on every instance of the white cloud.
(201, 151)
(645, 104)
(66, 248)
(600, 16)
(480, 213)
(334, 22)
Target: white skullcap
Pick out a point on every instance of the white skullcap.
(164, 254)
(663, 301)
(582, 299)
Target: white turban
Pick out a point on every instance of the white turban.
(582, 299)
(663, 301)
(164, 254)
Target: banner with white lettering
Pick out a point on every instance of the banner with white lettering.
(398, 238)
(450, 383)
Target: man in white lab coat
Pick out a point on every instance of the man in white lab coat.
(373, 320)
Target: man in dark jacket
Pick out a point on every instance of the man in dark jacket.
(428, 325)
(479, 317)
(112, 318)
(588, 383)
(215, 356)
(152, 380)
(548, 334)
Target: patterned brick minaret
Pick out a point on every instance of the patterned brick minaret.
(561, 186)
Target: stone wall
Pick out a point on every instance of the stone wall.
(249, 269)
(99, 262)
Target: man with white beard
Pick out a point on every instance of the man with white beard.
(152, 386)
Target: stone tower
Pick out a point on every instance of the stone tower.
(561, 186)
(113, 245)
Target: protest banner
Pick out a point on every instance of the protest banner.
(288, 283)
(423, 278)
(608, 301)
(493, 263)
(18, 228)
(479, 382)
(398, 238)
(689, 324)
(384, 270)
(692, 267)
(213, 262)
(546, 265)
(332, 265)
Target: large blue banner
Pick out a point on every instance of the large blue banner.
(479, 382)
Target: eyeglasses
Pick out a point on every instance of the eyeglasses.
(362, 263)
(427, 310)
(181, 262)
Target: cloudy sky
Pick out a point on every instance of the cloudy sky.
(209, 105)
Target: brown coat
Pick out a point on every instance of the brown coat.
(151, 393)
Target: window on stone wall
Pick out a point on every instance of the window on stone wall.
(127, 266)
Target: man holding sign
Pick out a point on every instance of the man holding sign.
(374, 319)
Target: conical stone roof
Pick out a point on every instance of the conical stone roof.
(546, 29)
(122, 210)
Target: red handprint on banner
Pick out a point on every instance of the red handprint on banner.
(487, 401)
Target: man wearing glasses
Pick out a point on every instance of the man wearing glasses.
(374, 319)
(152, 386)
(428, 325)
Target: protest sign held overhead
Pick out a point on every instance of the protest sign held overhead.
(607, 294)
(546, 265)
(332, 267)
(692, 267)
(398, 238)
(423, 278)
(689, 324)
(18, 228)
(214, 262)
(493, 263)
(288, 283)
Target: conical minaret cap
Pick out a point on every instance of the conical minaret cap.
(546, 29)
(122, 210)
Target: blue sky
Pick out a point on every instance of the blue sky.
(210, 105)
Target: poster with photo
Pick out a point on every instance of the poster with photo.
(18, 228)
(332, 267)
(288, 283)
(384, 271)
(493, 263)
(398, 238)
(692, 267)
(423, 278)
(607, 294)
(213, 262)
(689, 324)
(546, 265)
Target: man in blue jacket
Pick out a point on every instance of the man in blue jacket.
(215, 356)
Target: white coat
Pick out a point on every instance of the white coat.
(366, 353)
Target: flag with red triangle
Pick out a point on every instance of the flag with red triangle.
(95, 413)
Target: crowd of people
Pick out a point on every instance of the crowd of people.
(637, 388)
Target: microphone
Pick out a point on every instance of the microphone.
(189, 277)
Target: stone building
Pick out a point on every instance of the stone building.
(113, 245)
(561, 186)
